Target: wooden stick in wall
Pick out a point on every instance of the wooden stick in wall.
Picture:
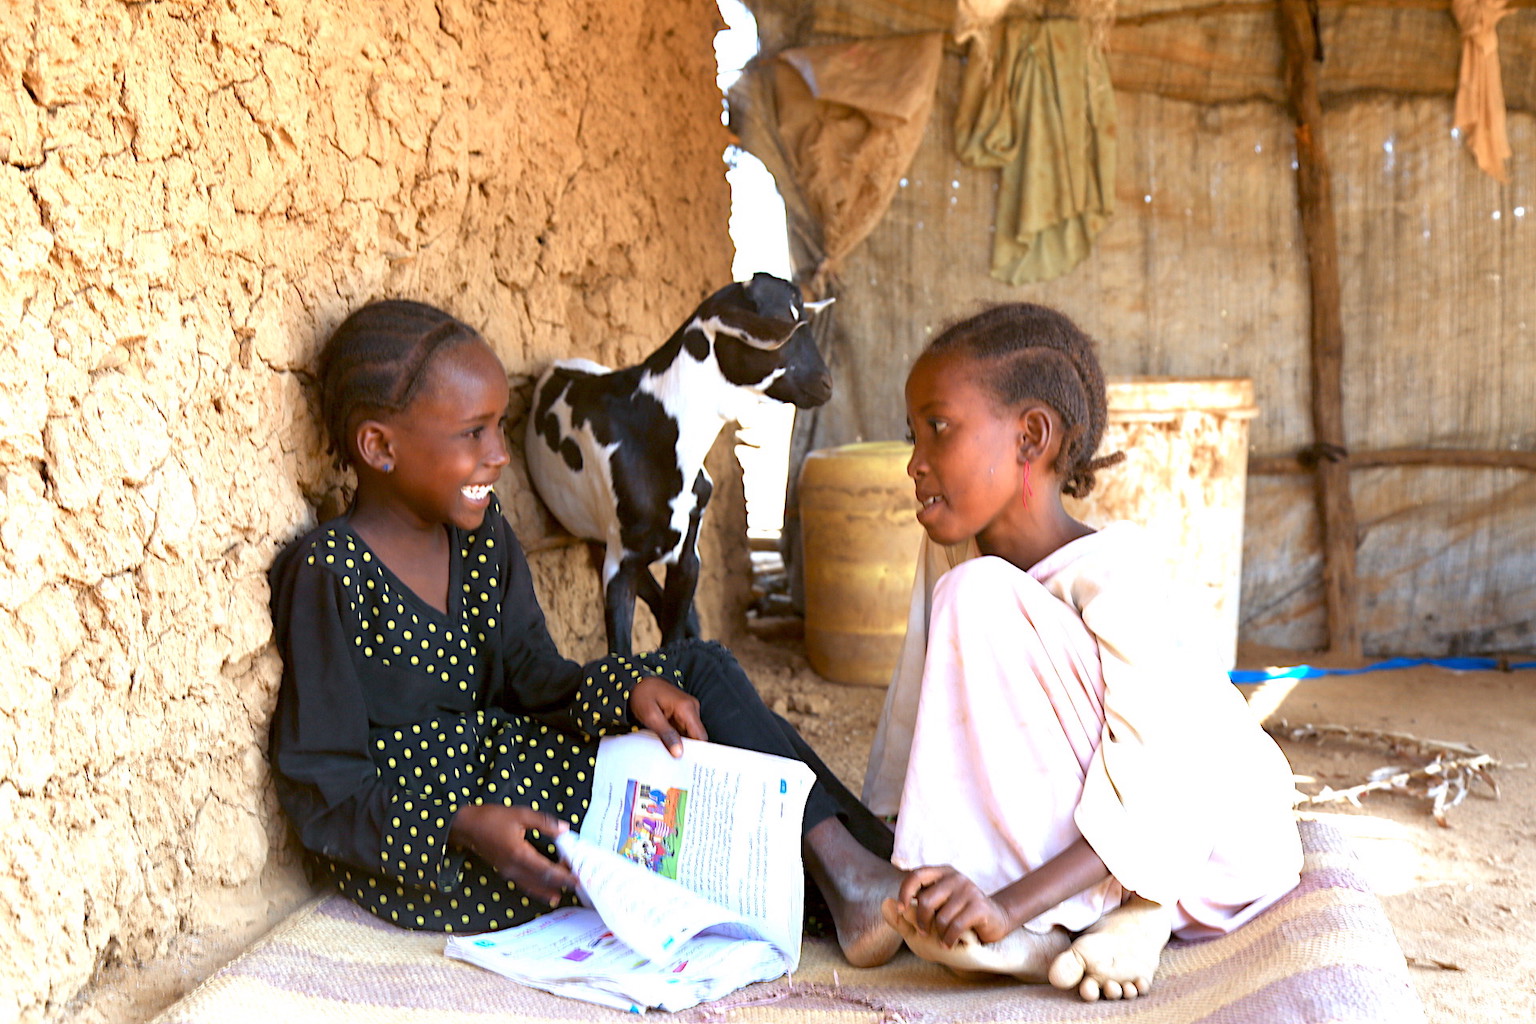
(1455, 458)
(1299, 33)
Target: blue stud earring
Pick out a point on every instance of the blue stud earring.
(389, 467)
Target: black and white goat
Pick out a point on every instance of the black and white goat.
(618, 455)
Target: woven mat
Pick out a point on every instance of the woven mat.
(1325, 953)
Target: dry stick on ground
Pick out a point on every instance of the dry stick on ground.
(1445, 780)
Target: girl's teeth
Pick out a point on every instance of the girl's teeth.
(476, 493)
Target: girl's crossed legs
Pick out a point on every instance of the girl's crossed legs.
(1009, 720)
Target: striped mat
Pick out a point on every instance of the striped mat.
(1325, 953)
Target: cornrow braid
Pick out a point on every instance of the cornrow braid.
(1034, 353)
(375, 361)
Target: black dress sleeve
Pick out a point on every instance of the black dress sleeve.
(537, 678)
(325, 776)
(592, 699)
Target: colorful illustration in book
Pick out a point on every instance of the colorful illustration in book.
(653, 819)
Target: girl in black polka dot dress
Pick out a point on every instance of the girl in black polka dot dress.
(429, 741)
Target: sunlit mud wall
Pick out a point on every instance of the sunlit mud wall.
(191, 196)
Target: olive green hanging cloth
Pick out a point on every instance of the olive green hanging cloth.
(1038, 103)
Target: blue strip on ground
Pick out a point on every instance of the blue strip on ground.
(1264, 675)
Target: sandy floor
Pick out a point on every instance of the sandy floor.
(1462, 898)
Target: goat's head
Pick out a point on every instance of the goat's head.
(763, 340)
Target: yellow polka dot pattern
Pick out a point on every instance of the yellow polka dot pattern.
(488, 755)
(601, 705)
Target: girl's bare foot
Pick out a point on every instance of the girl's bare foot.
(1117, 957)
(853, 882)
(1023, 954)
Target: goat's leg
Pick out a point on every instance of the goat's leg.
(649, 591)
(680, 619)
(597, 557)
(619, 602)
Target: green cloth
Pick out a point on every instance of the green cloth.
(1042, 108)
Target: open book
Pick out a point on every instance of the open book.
(690, 872)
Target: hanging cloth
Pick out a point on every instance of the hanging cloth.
(1042, 109)
(850, 117)
(1480, 91)
(973, 18)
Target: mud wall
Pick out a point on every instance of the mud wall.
(191, 195)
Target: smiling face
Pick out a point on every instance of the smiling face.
(447, 447)
(966, 463)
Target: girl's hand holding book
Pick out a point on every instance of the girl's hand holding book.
(498, 835)
(661, 707)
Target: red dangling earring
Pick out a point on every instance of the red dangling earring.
(1029, 492)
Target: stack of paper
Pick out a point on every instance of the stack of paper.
(571, 952)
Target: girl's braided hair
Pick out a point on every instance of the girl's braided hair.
(1026, 353)
(375, 361)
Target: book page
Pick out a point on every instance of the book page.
(722, 821)
(571, 952)
(650, 913)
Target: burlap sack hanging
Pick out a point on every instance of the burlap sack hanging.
(850, 117)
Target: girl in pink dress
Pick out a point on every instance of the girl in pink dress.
(1074, 778)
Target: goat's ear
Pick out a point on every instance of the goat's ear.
(761, 332)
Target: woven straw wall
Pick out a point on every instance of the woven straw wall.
(1201, 273)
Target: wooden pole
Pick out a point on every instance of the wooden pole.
(1299, 32)
(1454, 458)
